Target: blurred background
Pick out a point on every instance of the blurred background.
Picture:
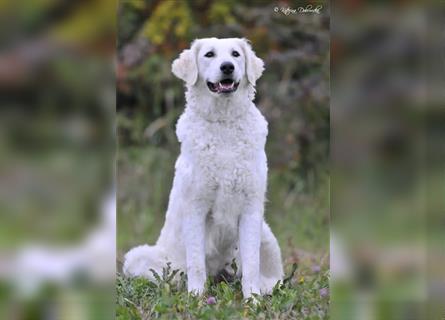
(293, 95)
(57, 142)
(387, 151)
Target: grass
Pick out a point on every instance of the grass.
(303, 295)
(299, 218)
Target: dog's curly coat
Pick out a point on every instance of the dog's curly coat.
(216, 208)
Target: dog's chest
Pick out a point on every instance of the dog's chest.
(226, 152)
(227, 156)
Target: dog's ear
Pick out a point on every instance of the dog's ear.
(254, 65)
(185, 66)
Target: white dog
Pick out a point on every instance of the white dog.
(216, 208)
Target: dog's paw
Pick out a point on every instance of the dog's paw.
(196, 290)
(250, 291)
(253, 299)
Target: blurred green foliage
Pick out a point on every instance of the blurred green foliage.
(293, 93)
(56, 121)
(168, 17)
(57, 146)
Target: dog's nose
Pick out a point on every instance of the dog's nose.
(227, 68)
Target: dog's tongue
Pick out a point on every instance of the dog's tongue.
(226, 86)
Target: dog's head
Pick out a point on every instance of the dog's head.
(220, 65)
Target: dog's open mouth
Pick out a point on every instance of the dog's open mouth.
(224, 86)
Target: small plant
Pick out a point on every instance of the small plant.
(302, 295)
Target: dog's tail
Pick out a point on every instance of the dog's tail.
(143, 260)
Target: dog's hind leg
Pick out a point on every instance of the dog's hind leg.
(271, 267)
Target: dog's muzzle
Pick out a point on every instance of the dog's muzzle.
(224, 86)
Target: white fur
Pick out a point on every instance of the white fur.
(216, 207)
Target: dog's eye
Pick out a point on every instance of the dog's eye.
(209, 54)
(235, 53)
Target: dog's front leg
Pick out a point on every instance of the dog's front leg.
(193, 229)
(250, 240)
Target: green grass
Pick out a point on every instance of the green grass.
(299, 218)
(301, 296)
